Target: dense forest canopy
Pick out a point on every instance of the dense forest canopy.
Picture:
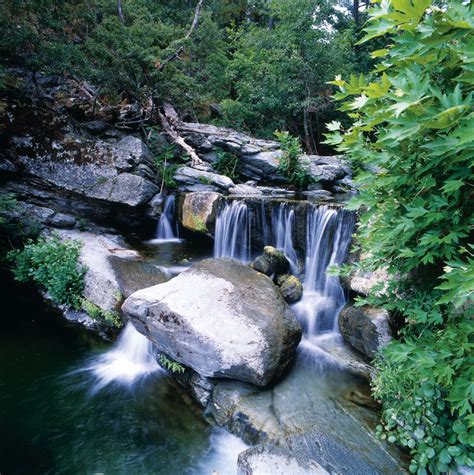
(259, 65)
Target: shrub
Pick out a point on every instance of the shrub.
(53, 264)
(227, 164)
(290, 165)
(412, 139)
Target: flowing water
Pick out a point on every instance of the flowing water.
(168, 228)
(232, 235)
(283, 227)
(328, 237)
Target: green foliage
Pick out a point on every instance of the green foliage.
(170, 364)
(112, 318)
(53, 264)
(290, 165)
(411, 138)
(227, 164)
(164, 158)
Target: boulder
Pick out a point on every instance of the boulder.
(198, 211)
(188, 178)
(291, 289)
(262, 166)
(272, 262)
(366, 328)
(220, 318)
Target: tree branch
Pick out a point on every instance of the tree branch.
(169, 119)
(120, 11)
(194, 26)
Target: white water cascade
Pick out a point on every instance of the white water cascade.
(283, 227)
(232, 236)
(167, 226)
(328, 236)
(130, 358)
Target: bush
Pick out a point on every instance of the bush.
(412, 139)
(290, 165)
(53, 264)
(227, 164)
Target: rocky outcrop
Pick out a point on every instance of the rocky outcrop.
(60, 151)
(220, 318)
(259, 159)
(366, 328)
(198, 211)
(302, 422)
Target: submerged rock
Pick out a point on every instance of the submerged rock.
(220, 318)
(272, 262)
(366, 328)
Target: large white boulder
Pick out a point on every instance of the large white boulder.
(221, 318)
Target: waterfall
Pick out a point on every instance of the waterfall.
(283, 227)
(328, 236)
(130, 359)
(232, 236)
(167, 226)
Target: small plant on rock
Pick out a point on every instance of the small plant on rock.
(170, 364)
(290, 165)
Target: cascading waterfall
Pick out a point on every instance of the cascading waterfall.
(328, 236)
(130, 359)
(283, 226)
(167, 229)
(232, 236)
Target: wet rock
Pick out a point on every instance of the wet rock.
(271, 460)
(187, 177)
(272, 262)
(304, 422)
(291, 289)
(198, 211)
(135, 274)
(366, 328)
(220, 318)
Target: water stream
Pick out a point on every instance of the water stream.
(69, 404)
(168, 229)
(233, 229)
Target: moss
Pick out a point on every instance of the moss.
(198, 223)
(110, 317)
